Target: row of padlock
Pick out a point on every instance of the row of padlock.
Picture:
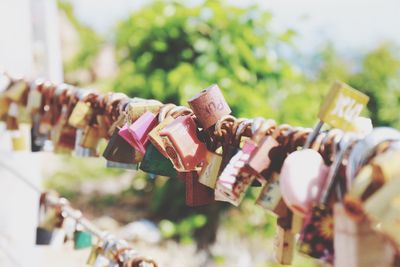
(302, 173)
(59, 223)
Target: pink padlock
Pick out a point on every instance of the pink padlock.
(124, 133)
(140, 129)
(302, 179)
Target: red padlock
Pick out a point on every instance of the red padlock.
(209, 106)
(182, 145)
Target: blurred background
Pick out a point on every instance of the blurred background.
(274, 59)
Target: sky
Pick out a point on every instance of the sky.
(352, 25)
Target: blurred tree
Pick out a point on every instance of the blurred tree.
(169, 51)
(89, 44)
(379, 77)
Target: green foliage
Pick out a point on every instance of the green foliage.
(379, 77)
(169, 52)
(183, 229)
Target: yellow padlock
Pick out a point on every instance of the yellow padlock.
(137, 109)
(17, 91)
(342, 106)
(18, 141)
(155, 138)
(81, 115)
(210, 171)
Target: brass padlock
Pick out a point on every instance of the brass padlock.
(81, 151)
(90, 137)
(18, 141)
(209, 173)
(82, 112)
(155, 138)
(94, 253)
(18, 92)
(137, 109)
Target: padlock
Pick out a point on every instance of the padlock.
(34, 101)
(90, 137)
(119, 151)
(182, 145)
(18, 92)
(197, 194)
(209, 106)
(168, 113)
(210, 172)
(81, 115)
(155, 138)
(302, 177)
(235, 179)
(95, 251)
(104, 126)
(284, 240)
(67, 139)
(12, 117)
(259, 128)
(49, 219)
(37, 140)
(303, 174)
(18, 141)
(82, 151)
(365, 148)
(270, 197)
(136, 109)
(342, 106)
(82, 239)
(125, 135)
(43, 236)
(260, 159)
(356, 244)
(140, 129)
(155, 163)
